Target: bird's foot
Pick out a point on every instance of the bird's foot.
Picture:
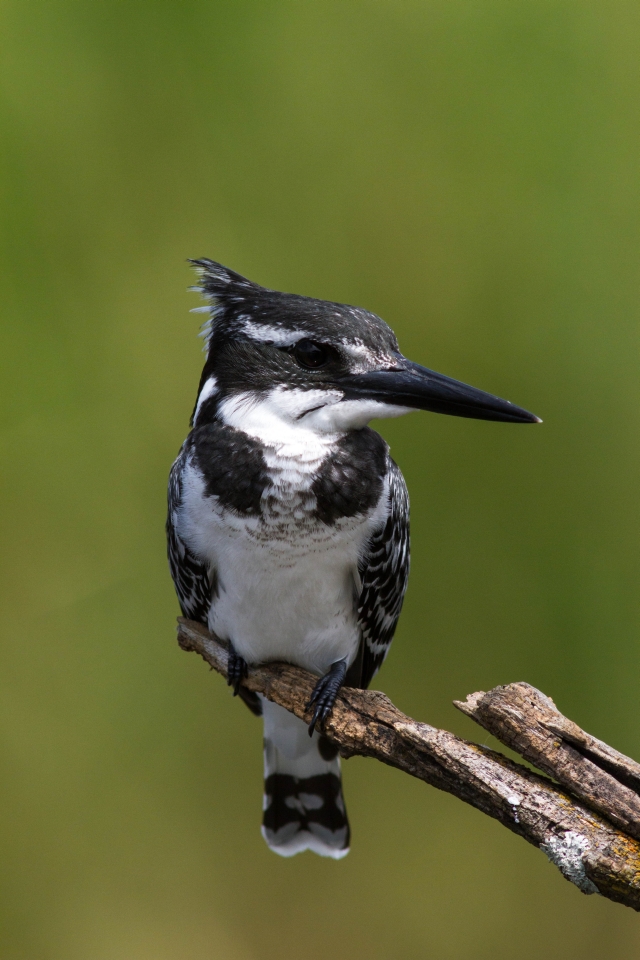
(237, 670)
(325, 693)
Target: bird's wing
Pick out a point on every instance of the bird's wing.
(384, 571)
(190, 575)
(193, 581)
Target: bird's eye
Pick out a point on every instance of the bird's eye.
(310, 354)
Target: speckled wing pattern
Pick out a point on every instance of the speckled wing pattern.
(384, 571)
(189, 574)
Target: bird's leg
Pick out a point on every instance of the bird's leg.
(237, 670)
(325, 693)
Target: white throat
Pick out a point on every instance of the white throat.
(293, 416)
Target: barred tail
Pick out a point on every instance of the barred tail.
(303, 804)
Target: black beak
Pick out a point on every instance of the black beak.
(410, 385)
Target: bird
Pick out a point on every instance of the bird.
(288, 520)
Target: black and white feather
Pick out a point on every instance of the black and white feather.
(189, 574)
(384, 571)
(288, 521)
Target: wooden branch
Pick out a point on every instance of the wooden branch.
(523, 718)
(586, 846)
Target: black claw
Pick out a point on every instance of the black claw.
(325, 693)
(237, 670)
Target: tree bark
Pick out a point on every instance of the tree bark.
(530, 723)
(577, 828)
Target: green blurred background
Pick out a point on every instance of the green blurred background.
(468, 170)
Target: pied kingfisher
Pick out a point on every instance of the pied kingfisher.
(288, 524)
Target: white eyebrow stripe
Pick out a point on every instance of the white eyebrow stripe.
(277, 335)
(357, 349)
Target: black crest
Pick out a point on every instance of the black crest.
(235, 302)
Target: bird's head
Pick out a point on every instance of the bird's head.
(277, 360)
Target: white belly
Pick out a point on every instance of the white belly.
(287, 584)
(292, 601)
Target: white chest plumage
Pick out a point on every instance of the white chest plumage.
(286, 583)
